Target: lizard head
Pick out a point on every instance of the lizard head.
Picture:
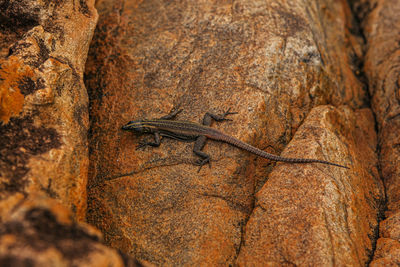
(136, 126)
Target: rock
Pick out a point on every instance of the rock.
(382, 70)
(43, 137)
(44, 104)
(293, 71)
(387, 253)
(272, 63)
(40, 232)
(319, 215)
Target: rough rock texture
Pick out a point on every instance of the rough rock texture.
(40, 232)
(43, 101)
(319, 216)
(271, 62)
(43, 136)
(296, 73)
(381, 25)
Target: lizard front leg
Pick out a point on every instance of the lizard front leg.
(156, 143)
(217, 117)
(172, 114)
(157, 138)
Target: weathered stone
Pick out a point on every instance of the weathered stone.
(387, 253)
(381, 27)
(270, 61)
(43, 101)
(319, 215)
(390, 227)
(43, 136)
(40, 232)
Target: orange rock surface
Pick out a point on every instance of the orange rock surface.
(292, 72)
(316, 79)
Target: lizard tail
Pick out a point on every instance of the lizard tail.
(240, 144)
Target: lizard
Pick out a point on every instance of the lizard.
(166, 126)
